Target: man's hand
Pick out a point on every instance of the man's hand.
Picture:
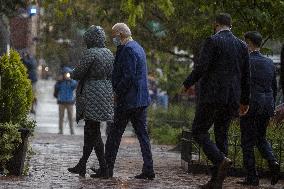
(243, 109)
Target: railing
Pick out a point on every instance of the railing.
(197, 162)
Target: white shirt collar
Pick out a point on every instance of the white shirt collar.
(226, 29)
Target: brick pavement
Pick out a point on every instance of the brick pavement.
(54, 154)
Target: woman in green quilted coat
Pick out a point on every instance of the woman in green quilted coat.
(94, 96)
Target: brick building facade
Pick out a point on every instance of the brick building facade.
(20, 32)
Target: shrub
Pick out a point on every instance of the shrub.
(165, 125)
(15, 102)
(175, 116)
(9, 141)
(166, 135)
(16, 90)
(28, 123)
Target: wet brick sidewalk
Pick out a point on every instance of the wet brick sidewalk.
(54, 154)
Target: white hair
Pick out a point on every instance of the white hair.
(122, 28)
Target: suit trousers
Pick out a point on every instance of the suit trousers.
(253, 133)
(137, 117)
(206, 116)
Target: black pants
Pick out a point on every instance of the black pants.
(253, 133)
(137, 117)
(205, 116)
(93, 140)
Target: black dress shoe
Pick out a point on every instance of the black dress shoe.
(101, 173)
(249, 182)
(145, 176)
(78, 169)
(275, 171)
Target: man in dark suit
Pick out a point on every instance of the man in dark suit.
(129, 81)
(223, 73)
(262, 104)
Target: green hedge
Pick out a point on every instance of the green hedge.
(16, 90)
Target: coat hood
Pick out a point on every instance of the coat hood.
(95, 37)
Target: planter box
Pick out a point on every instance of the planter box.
(16, 164)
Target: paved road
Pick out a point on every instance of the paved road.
(55, 153)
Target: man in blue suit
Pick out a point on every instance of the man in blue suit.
(131, 98)
(223, 75)
(262, 104)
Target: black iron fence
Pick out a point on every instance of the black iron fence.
(194, 160)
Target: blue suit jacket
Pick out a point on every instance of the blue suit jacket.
(263, 85)
(223, 72)
(129, 78)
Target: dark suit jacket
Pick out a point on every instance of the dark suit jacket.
(223, 71)
(129, 77)
(263, 85)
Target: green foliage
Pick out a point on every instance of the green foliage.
(183, 23)
(9, 141)
(16, 90)
(166, 134)
(9, 7)
(191, 21)
(136, 10)
(28, 123)
(30, 153)
(165, 126)
(173, 76)
(179, 115)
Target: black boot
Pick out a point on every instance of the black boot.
(147, 173)
(80, 168)
(275, 172)
(101, 173)
(146, 176)
(99, 149)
